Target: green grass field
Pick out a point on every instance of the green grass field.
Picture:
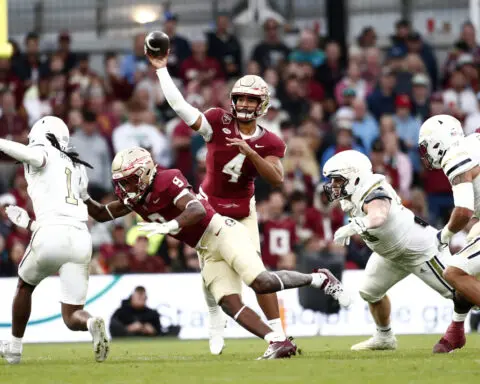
(324, 360)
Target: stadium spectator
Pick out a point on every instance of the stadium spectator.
(271, 52)
(415, 44)
(472, 122)
(420, 97)
(373, 66)
(278, 235)
(10, 82)
(179, 46)
(382, 100)
(64, 49)
(199, 67)
(399, 38)
(134, 60)
(134, 318)
(468, 36)
(332, 70)
(307, 50)
(407, 127)
(141, 262)
(352, 80)
(365, 127)
(90, 144)
(300, 168)
(459, 98)
(225, 47)
(31, 66)
(294, 100)
(136, 132)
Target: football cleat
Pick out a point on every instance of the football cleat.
(279, 350)
(377, 343)
(5, 352)
(333, 287)
(217, 323)
(101, 345)
(453, 339)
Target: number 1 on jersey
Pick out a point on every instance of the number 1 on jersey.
(70, 199)
(234, 167)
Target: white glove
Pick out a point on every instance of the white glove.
(18, 216)
(84, 185)
(159, 228)
(346, 205)
(443, 238)
(355, 227)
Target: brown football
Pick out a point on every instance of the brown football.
(156, 44)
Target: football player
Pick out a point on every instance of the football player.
(165, 199)
(442, 144)
(238, 151)
(60, 242)
(402, 244)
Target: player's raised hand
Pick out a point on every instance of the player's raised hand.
(18, 216)
(158, 62)
(242, 145)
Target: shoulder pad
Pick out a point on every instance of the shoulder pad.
(456, 162)
(379, 193)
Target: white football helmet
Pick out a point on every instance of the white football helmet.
(437, 134)
(49, 124)
(253, 86)
(133, 171)
(345, 171)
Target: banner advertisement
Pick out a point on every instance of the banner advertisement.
(179, 299)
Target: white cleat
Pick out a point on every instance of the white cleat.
(10, 357)
(101, 345)
(334, 288)
(216, 344)
(377, 343)
(217, 323)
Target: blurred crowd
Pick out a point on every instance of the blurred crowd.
(323, 100)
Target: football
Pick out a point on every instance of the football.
(156, 44)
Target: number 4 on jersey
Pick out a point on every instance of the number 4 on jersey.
(234, 168)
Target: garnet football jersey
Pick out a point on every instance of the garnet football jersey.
(229, 183)
(159, 205)
(278, 240)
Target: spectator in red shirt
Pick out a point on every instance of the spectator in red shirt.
(10, 82)
(278, 235)
(200, 67)
(141, 262)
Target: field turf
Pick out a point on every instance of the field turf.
(324, 360)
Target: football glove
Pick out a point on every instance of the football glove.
(159, 228)
(19, 217)
(443, 238)
(355, 227)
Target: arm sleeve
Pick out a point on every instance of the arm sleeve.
(35, 155)
(175, 99)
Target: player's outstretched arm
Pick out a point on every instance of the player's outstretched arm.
(464, 200)
(106, 212)
(377, 212)
(35, 156)
(192, 212)
(189, 114)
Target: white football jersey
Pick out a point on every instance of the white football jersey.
(462, 156)
(55, 189)
(400, 238)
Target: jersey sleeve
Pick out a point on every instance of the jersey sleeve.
(214, 117)
(379, 193)
(457, 163)
(277, 147)
(175, 186)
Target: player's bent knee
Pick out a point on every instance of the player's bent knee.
(369, 298)
(265, 282)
